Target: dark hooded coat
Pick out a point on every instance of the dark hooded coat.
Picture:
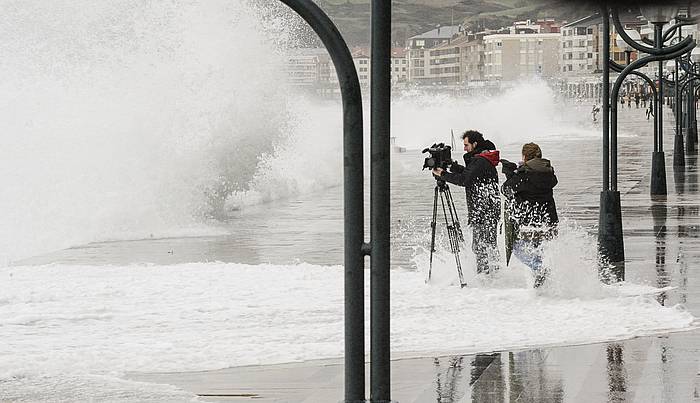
(479, 178)
(530, 191)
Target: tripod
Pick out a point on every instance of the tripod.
(454, 231)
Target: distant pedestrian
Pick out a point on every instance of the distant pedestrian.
(636, 99)
(650, 109)
(595, 112)
(644, 100)
(629, 101)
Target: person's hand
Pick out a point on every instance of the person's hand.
(508, 166)
(438, 171)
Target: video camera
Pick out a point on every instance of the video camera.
(440, 156)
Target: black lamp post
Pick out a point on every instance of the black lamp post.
(610, 238)
(691, 67)
(658, 162)
(355, 247)
(677, 82)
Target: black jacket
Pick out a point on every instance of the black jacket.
(529, 190)
(479, 178)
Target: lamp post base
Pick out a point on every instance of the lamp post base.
(610, 242)
(678, 157)
(691, 141)
(658, 173)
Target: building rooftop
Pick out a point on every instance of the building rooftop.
(398, 52)
(585, 21)
(445, 32)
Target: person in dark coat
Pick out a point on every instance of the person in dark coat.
(479, 178)
(533, 212)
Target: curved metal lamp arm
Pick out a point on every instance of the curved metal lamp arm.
(646, 60)
(693, 80)
(353, 194)
(652, 51)
(670, 56)
(672, 30)
(616, 67)
(685, 66)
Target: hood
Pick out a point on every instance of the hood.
(538, 165)
(486, 145)
(492, 156)
(487, 150)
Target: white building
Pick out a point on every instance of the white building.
(418, 53)
(399, 66)
(579, 46)
(509, 57)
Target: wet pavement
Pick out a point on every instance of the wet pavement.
(662, 248)
(650, 369)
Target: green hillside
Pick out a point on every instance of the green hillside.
(411, 17)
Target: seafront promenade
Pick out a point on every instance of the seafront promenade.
(662, 249)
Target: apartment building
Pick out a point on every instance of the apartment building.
(472, 58)
(510, 57)
(361, 60)
(579, 46)
(418, 54)
(304, 68)
(444, 62)
(399, 66)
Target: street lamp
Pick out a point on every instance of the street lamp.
(692, 139)
(695, 55)
(633, 34)
(671, 66)
(659, 14)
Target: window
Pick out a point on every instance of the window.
(419, 42)
(589, 30)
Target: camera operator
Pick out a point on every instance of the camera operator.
(480, 179)
(533, 212)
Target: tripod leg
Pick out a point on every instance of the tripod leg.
(432, 235)
(453, 213)
(453, 236)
